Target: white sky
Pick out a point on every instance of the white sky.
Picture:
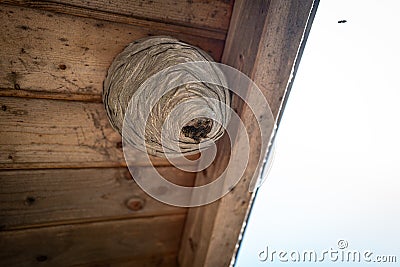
(336, 173)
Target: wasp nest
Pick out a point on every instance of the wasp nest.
(161, 95)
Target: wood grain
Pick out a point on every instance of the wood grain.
(160, 260)
(42, 197)
(85, 216)
(113, 243)
(270, 34)
(194, 15)
(56, 54)
(38, 133)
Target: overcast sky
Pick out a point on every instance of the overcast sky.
(336, 173)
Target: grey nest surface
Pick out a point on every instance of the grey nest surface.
(166, 97)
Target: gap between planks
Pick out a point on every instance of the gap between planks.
(6, 92)
(90, 221)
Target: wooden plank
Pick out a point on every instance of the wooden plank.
(38, 133)
(42, 197)
(263, 42)
(157, 260)
(189, 16)
(66, 57)
(94, 244)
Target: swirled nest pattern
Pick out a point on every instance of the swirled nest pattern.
(131, 95)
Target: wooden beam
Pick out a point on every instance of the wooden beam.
(263, 42)
(40, 133)
(133, 242)
(196, 17)
(33, 198)
(51, 55)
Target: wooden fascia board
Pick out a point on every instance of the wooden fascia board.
(264, 41)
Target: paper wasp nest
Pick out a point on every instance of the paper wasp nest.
(168, 106)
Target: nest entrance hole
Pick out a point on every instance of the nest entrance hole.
(197, 129)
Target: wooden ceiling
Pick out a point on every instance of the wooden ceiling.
(66, 196)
